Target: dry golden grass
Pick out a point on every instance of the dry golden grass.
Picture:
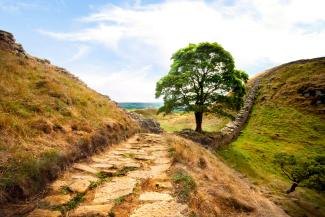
(46, 116)
(219, 190)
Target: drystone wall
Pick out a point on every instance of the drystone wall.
(232, 129)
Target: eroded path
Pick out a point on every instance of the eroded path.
(129, 179)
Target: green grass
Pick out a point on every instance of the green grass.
(72, 204)
(65, 190)
(124, 171)
(282, 121)
(119, 200)
(178, 121)
(185, 185)
(272, 130)
(25, 166)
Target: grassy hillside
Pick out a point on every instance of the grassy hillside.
(289, 116)
(47, 119)
(177, 121)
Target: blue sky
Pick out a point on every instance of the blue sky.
(121, 48)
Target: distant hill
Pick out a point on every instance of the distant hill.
(288, 116)
(48, 118)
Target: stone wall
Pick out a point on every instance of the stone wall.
(232, 129)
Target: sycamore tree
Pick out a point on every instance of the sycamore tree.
(201, 75)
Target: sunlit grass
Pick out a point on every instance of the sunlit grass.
(177, 121)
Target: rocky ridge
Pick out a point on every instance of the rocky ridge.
(8, 43)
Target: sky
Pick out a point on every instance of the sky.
(122, 48)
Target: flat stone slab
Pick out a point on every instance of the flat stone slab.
(158, 169)
(44, 212)
(155, 196)
(92, 210)
(132, 165)
(162, 177)
(119, 186)
(160, 154)
(102, 165)
(99, 159)
(140, 174)
(162, 160)
(58, 185)
(143, 157)
(160, 209)
(55, 200)
(85, 168)
(89, 178)
(80, 185)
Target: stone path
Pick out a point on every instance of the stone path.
(129, 179)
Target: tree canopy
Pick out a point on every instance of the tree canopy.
(201, 75)
(308, 173)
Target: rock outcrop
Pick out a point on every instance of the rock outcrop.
(8, 42)
(148, 124)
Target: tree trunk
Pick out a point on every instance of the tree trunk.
(198, 120)
(293, 187)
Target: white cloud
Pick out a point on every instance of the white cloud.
(128, 85)
(252, 30)
(9, 6)
(82, 50)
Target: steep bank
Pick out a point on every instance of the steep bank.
(211, 188)
(48, 118)
(288, 116)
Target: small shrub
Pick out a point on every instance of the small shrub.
(119, 200)
(185, 185)
(102, 175)
(65, 190)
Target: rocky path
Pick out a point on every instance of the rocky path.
(129, 179)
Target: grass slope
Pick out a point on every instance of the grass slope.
(210, 187)
(176, 121)
(286, 118)
(46, 113)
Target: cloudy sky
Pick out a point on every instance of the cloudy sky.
(121, 48)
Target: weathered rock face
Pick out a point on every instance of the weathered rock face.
(8, 42)
(148, 124)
